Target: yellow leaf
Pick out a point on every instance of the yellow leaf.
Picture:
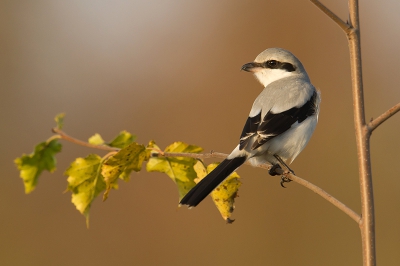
(122, 163)
(60, 120)
(179, 169)
(96, 139)
(123, 139)
(85, 182)
(224, 195)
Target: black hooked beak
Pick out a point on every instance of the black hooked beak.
(251, 67)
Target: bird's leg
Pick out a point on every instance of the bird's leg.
(282, 162)
(284, 178)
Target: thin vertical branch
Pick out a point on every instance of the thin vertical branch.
(367, 225)
(362, 131)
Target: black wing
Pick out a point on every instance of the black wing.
(273, 125)
(250, 128)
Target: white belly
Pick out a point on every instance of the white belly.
(287, 145)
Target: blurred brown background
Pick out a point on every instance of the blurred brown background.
(168, 71)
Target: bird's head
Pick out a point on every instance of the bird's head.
(274, 64)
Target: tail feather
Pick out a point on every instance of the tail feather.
(211, 181)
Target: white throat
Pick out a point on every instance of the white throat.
(266, 75)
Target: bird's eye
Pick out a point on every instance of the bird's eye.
(272, 63)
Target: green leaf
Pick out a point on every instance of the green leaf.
(122, 163)
(123, 139)
(60, 120)
(224, 195)
(179, 169)
(85, 182)
(32, 165)
(96, 139)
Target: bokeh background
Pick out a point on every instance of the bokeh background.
(169, 71)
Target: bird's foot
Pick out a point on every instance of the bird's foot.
(283, 163)
(276, 169)
(285, 179)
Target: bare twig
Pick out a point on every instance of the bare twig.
(211, 154)
(383, 117)
(64, 136)
(353, 215)
(345, 27)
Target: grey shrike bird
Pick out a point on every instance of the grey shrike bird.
(280, 123)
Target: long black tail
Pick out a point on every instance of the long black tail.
(211, 181)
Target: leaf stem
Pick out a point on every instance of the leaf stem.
(53, 138)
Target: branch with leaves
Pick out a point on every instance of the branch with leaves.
(92, 175)
(183, 163)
